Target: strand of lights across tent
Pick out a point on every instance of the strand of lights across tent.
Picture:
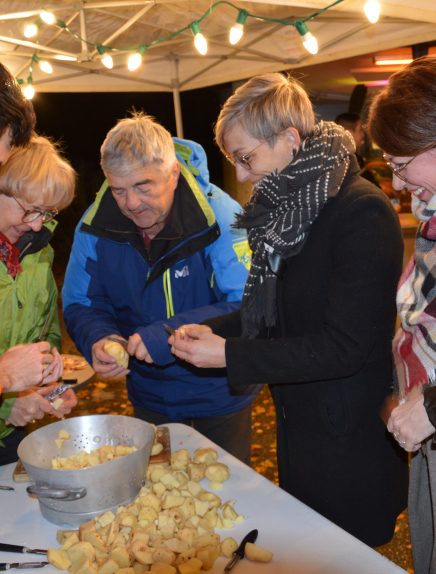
(135, 57)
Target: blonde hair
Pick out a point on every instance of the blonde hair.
(265, 106)
(137, 142)
(39, 174)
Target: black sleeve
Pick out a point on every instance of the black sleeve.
(226, 325)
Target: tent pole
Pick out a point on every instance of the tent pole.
(176, 97)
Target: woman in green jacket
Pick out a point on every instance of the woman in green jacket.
(35, 183)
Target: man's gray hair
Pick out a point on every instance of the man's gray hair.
(137, 142)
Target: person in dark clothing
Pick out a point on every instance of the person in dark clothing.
(352, 123)
(318, 310)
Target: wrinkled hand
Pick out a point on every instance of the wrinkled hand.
(197, 345)
(103, 363)
(55, 369)
(26, 366)
(409, 422)
(136, 348)
(32, 405)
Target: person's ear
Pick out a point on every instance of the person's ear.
(294, 137)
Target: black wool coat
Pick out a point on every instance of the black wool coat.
(328, 364)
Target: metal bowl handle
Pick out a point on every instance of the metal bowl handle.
(44, 491)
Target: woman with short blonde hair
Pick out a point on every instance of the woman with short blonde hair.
(35, 183)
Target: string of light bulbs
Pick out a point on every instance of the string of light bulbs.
(135, 56)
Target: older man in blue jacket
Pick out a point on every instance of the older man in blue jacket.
(157, 246)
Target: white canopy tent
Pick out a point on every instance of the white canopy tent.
(173, 64)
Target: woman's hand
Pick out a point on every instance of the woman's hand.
(24, 366)
(31, 405)
(197, 345)
(103, 363)
(137, 349)
(409, 422)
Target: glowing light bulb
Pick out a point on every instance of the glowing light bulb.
(308, 39)
(134, 61)
(47, 17)
(107, 61)
(372, 10)
(30, 30)
(200, 41)
(28, 91)
(237, 30)
(45, 67)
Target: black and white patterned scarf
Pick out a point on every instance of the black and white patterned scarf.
(280, 213)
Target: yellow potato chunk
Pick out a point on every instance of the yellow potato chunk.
(118, 352)
(257, 553)
(59, 558)
(228, 546)
(191, 566)
(161, 568)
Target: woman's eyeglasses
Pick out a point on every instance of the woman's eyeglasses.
(245, 159)
(398, 168)
(31, 215)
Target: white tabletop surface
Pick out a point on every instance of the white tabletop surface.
(303, 542)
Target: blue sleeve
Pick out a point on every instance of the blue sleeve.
(88, 314)
(230, 259)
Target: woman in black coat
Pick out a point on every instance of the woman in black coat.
(318, 312)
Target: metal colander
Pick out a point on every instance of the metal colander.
(70, 497)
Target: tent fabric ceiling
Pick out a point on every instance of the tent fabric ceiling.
(342, 32)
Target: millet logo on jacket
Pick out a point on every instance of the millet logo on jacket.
(183, 272)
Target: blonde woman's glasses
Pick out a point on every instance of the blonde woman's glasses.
(245, 159)
(31, 215)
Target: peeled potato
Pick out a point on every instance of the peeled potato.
(118, 352)
(257, 553)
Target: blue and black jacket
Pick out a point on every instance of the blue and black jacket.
(195, 269)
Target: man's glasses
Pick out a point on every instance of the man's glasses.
(31, 215)
(244, 160)
(397, 168)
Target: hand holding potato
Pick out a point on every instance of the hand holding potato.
(104, 363)
(196, 344)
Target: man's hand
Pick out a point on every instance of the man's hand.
(197, 345)
(136, 348)
(105, 364)
(409, 422)
(26, 366)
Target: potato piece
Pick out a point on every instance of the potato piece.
(163, 555)
(80, 552)
(109, 567)
(64, 434)
(192, 566)
(105, 519)
(59, 443)
(180, 459)
(257, 553)
(95, 539)
(62, 535)
(205, 455)
(196, 471)
(86, 567)
(208, 555)
(121, 556)
(59, 558)
(157, 448)
(161, 568)
(56, 404)
(70, 540)
(127, 570)
(118, 352)
(217, 472)
(141, 552)
(228, 547)
(140, 568)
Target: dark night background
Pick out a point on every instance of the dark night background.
(80, 121)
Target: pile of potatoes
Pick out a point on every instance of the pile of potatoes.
(84, 459)
(169, 528)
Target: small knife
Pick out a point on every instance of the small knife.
(123, 342)
(24, 549)
(21, 565)
(46, 326)
(239, 553)
(168, 329)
